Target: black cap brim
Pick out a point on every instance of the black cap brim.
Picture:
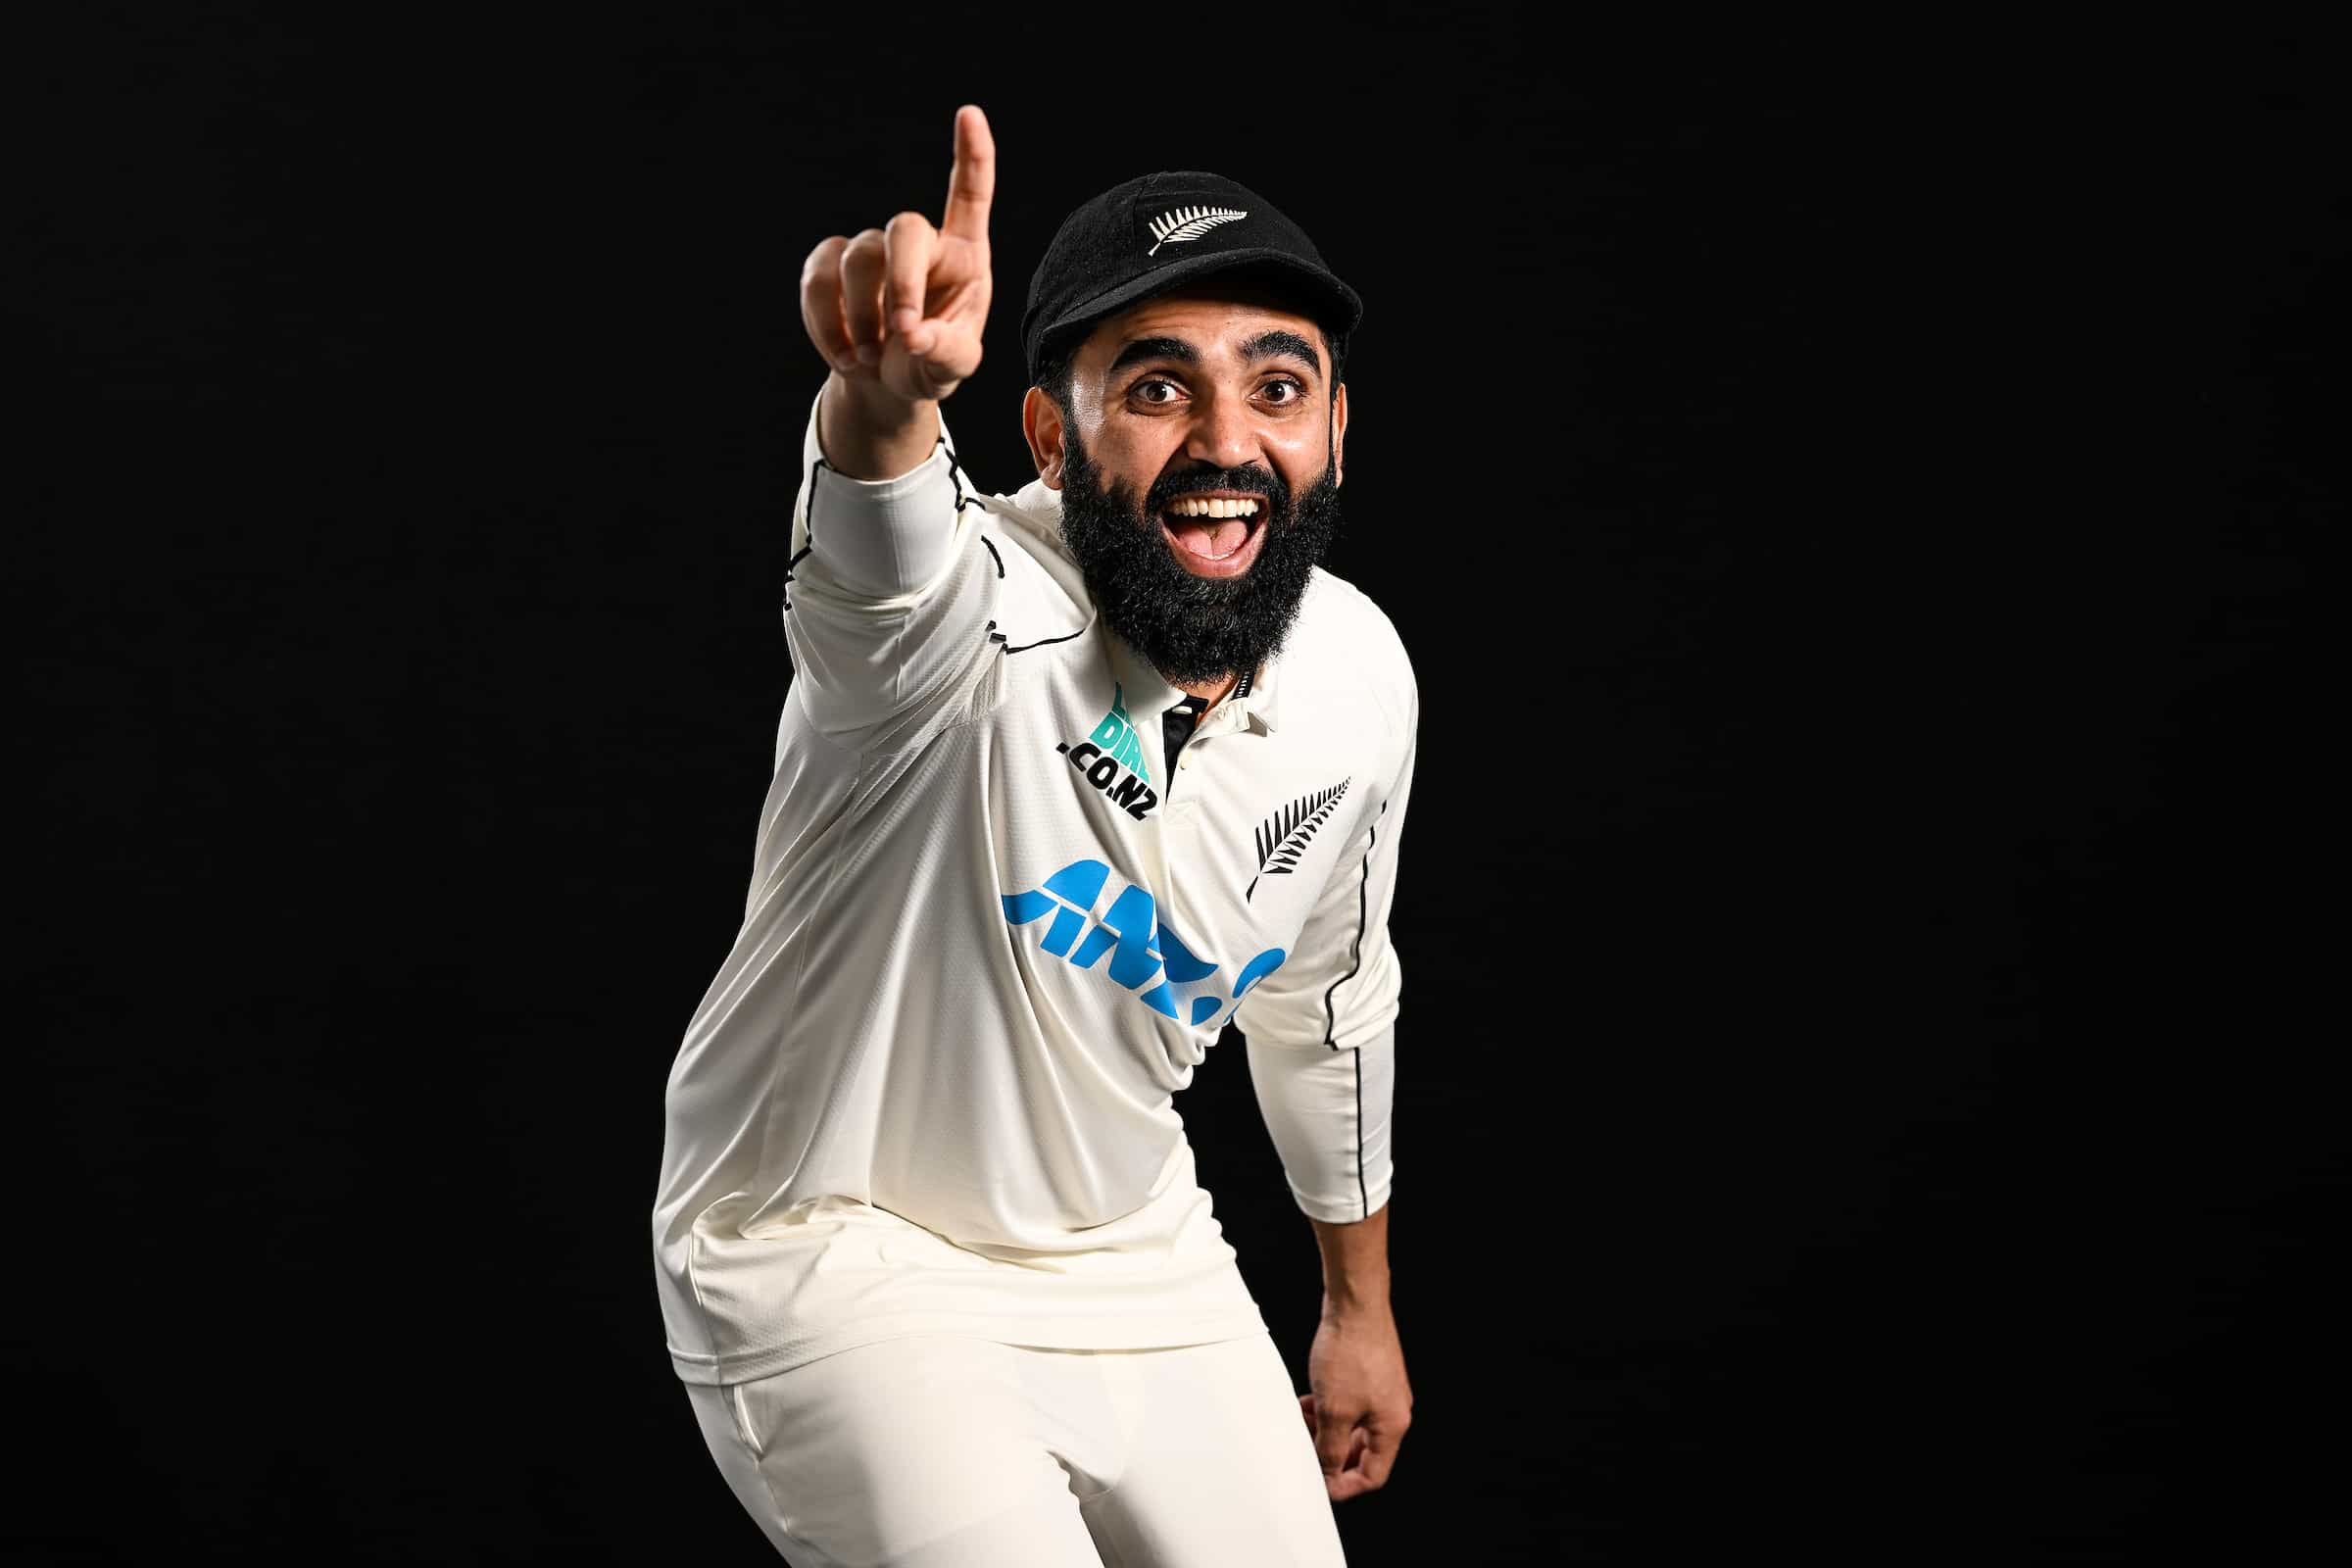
(1343, 309)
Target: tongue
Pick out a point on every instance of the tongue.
(1209, 537)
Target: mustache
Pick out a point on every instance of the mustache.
(1242, 481)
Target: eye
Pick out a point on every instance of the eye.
(1296, 391)
(1137, 391)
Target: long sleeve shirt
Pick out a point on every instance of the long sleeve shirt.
(995, 923)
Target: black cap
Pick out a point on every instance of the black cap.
(1146, 237)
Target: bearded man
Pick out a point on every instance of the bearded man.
(1066, 781)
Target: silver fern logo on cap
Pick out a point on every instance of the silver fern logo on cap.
(1189, 223)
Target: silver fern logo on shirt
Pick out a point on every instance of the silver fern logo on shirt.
(1189, 223)
(1283, 838)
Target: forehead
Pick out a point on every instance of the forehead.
(1214, 316)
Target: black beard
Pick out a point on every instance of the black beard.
(1194, 628)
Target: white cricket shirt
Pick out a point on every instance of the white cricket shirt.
(991, 932)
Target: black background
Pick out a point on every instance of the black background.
(1846, 493)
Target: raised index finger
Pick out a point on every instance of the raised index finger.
(974, 184)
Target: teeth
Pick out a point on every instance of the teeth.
(1196, 507)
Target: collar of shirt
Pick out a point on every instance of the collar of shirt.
(1252, 704)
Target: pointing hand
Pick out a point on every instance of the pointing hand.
(904, 306)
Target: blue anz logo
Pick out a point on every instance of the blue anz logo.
(1145, 955)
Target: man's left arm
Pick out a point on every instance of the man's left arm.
(1321, 1033)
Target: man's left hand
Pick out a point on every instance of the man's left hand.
(1362, 1402)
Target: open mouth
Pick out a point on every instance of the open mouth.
(1215, 536)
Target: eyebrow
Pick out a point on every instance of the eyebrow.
(1275, 342)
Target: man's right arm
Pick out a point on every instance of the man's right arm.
(887, 600)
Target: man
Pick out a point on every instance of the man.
(1065, 781)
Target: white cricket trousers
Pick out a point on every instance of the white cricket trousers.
(941, 1451)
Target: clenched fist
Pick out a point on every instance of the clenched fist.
(902, 308)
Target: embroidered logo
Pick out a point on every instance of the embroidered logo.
(1111, 759)
(1145, 956)
(1283, 838)
(1189, 223)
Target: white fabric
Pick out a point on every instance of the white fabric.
(964, 1454)
(931, 1088)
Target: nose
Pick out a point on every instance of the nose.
(1222, 434)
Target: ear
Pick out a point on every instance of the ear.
(1339, 434)
(1040, 423)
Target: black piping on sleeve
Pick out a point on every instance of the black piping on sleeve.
(802, 554)
(1363, 887)
(1042, 642)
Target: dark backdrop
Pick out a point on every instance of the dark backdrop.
(1847, 496)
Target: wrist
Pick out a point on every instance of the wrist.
(1356, 1302)
(867, 431)
(1355, 1265)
